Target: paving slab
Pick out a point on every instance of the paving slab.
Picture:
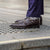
(42, 48)
(10, 45)
(6, 31)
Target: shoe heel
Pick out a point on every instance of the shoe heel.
(40, 20)
(37, 26)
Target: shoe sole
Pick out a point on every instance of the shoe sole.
(25, 27)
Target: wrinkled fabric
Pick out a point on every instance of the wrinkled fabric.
(35, 8)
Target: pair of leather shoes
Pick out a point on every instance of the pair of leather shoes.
(30, 22)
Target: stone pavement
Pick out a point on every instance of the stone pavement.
(8, 16)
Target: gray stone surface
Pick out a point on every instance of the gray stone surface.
(42, 48)
(35, 42)
(10, 45)
(7, 33)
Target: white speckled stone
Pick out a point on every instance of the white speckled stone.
(43, 48)
(35, 43)
(9, 45)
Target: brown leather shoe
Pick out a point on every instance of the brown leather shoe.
(28, 17)
(27, 23)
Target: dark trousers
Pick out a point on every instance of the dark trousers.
(35, 8)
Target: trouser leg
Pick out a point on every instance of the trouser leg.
(35, 8)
